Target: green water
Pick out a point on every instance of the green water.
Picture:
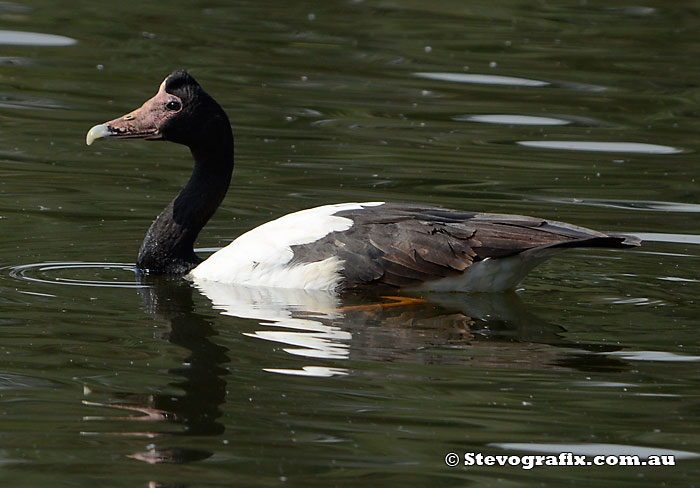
(106, 380)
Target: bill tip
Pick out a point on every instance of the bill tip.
(97, 132)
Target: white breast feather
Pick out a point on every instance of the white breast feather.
(261, 256)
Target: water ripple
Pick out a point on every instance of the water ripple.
(666, 237)
(659, 206)
(70, 273)
(23, 102)
(594, 449)
(513, 119)
(597, 146)
(480, 79)
(653, 356)
(19, 38)
(500, 80)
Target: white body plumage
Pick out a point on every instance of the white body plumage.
(263, 255)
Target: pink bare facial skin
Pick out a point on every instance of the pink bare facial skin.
(144, 122)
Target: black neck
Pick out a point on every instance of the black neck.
(168, 245)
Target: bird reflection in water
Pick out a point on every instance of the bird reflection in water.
(202, 382)
(489, 329)
(324, 330)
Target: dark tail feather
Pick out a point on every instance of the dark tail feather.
(611, 240)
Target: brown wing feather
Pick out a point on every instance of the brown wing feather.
(400, 245)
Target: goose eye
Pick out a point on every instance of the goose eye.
(173, 105)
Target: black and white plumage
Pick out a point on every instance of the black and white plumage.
(333, 247)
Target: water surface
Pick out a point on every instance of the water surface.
(585, 113)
